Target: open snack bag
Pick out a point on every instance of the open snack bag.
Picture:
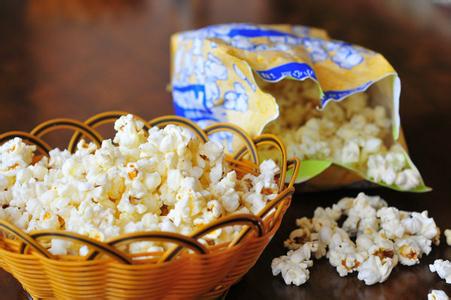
(335, 105)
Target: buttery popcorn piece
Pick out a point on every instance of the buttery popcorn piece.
(294, 266)
(376, 269)
(390, 222)
(443, 269)
(342, 253)
(410, 249)
(448, 236)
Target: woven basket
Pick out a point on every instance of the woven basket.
(187, 270)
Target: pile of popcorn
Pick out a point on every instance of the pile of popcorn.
(160, 179)
(371, 241)
(349, 133)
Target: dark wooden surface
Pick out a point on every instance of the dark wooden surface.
(77, 58)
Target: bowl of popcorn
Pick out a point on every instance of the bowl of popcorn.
(158, 211)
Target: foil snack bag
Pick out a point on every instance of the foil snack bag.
(335, 105)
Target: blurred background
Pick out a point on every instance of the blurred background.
(75, 58)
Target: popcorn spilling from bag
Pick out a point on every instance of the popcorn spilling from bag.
(350, 133)
(371, 241)
(160, 179)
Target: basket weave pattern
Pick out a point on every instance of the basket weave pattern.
(109, 273)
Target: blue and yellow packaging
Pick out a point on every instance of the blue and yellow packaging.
(215, 73)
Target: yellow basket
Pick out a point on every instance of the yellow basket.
(109, 273)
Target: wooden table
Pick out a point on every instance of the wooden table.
(77, 58)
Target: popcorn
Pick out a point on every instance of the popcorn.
(448, 236)
(59, 247)
(149, 222)
(212, 211)
(349, 132)
(411, 249)
(376, 268)
(212, 150)
(372, 145)
(129, 135)
(298, 238)
(267, 170)
(4, 183)
(166, 224)
(15, 155)
(145, 247)
(408, 179)
(84, 250)
(225, 191)
(319, 233)
(437, 295)
(361, 217)
(390, 222)
(294, 266)
(350, 153)
(142, 180)
(342, 253)
(421, 224)
(57, 158)
(263, 187)
(443, 269)
(384, 237)
(379, 170)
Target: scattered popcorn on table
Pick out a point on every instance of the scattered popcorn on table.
(160, 179)
(448, 236)
(437, 295)
(371, 240)
(351, 133)
(443, 269)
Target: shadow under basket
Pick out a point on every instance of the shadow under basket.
(187, 270)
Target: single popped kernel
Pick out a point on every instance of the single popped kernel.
(447, 233)
(390, 219)
(376, 269)
(411, 249)
(294, 266)
(437, 295)
(443, 269)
